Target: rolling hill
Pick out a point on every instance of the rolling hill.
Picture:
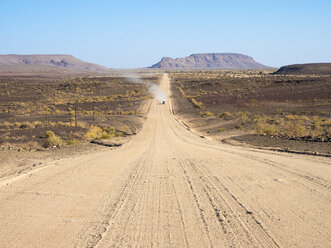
(67, 62)
(306, 69)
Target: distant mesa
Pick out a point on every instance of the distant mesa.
(306, 69)
(53, 60)
(210, 61)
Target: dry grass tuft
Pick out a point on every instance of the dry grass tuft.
(52, 140)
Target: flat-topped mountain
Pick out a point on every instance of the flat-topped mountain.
(210, 60)
(306, 69)
(53, 60)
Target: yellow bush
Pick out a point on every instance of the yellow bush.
(38, 124)
(17, 124)
(118, 134)
(94, 132)
(61, 123)
(51, 124)
(224, 115)
(300, 130)
(26, 125)
(243, 117)
(196, 103)
(316, 131)
(265, 128)
(290, 117)
(110, 129)
(125, 128)
(106, 135)
(72, 142)
(206, 114)
(52, 140)
(57, 112)
(6, 123)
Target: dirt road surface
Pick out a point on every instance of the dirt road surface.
(169, 187)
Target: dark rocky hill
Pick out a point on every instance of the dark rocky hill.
(210, 60)
(53, 60)
(306, 69)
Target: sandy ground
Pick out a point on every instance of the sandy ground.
(16, 161)
(168, 187)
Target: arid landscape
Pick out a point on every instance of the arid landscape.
(257, 107)
(45, 115)
(172, 181)
(68, 107)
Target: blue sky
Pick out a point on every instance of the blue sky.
(131, 34)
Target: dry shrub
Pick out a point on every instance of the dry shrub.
(238, 126)
(51, 123)
(61, 123)
(225, 115)
(111, 132)
(72, 142)
(128, 112)
(6, 124)
(52, 140)
(57, 112)
(181, 91)
(243, 117)
(196, 103)
(125, 128)
(206, 114)
(94, 132)
(290, 117)
(106, 135)
(118, 134)
(294, 126)
(318, 131)
(300, 130)
(82, 124)
(37, 124)
(17, 124)
(265, 128)
(26, 125)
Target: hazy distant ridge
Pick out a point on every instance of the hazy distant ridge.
(210, 60)
(55, 60)
(306, 69)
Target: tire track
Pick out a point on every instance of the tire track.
(198, 204)
(110, 210)
(180, 209)
(235, 219)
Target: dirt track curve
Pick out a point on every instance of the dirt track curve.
(168, 187)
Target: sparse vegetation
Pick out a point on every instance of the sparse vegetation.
(294, 126)
(96, 132)
(67, 107)
(196, 103)
(52, 140)
(71, 142)
(254, 101)
(206, 114)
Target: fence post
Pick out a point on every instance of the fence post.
(75, 114)
(46, 112)
(93, 113)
